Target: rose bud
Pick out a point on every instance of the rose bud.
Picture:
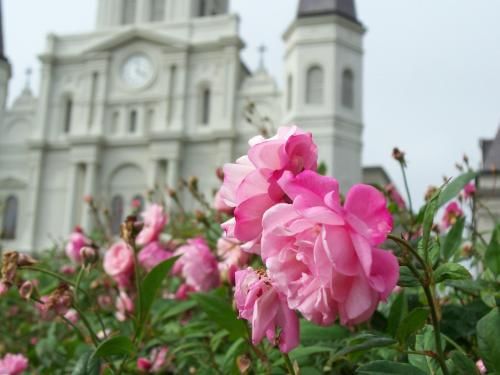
(89, 255)
(26, 289)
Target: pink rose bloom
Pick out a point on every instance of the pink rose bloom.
(394, 195)
(13, 364)
(144, 365)
(197, 265)
(324, 257)
(119, 263)
(451, 213)
(77, 240)
(266, 309)
(220, 205)
(152, 255)
(231, 256)
(4, 287)
(159, 358)
(469, 190)
(43, 309)
(155, 220)
(250, 185)
(72, 316)
(124, 306)
(481, 367)
(183, 292)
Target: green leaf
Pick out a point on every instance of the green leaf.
(430, 212)
(222, 313)
(460, 364)
(455, 187)
(453, 239)
(492, 255)
(237, 348)
(87, 365)
(375, 342)
(304, 352)
(151, 285)
(388, 368)
(451, 271)
(412, 323)
(177, 309)
(399, 309)
(406, 278)
(488, 338)
(117, 345)
(313, 333)
(425, 341)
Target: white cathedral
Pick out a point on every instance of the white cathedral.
(157, 91)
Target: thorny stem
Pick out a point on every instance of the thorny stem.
(431, 301)
(78, 281)
(289, 364)
(87, 324)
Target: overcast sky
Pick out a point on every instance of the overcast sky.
(432, 70)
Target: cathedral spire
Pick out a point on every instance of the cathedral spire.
(344, 8)
(2, 52)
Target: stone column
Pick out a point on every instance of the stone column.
(89, 190)
(36, 164)
(70, 197)
(172, 180)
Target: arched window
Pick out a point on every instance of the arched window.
(115, 122)
(314, 85)
(9, 223)
(348, 88)
(68, 114)
(157, 10)
(128, 11)
(116, 213)
(205, 106)
(289, 92)
(132, 121)
(202, 8)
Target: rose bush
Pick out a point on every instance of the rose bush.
(279, 273)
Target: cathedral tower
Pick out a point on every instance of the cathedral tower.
(324, 75)
(5, 69)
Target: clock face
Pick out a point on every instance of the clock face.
(137, 70)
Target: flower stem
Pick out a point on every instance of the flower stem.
(407, 188)
(87, 324)
(288, 364)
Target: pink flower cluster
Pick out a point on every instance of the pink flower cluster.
(77, 240)
(323, 258)
(13, 364)
(155, 363)
(452, 213)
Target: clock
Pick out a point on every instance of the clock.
(137, 70)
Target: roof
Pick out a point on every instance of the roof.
(491, 153)
(344, 8)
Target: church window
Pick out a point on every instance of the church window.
(9, 223)
(128, 11)
(171, 93)
(115, 122)
(132, 121)
(314, 85)
(205, 106)
(68, 112)
(157, 10)
(348, 88)
(289, 95)
(116, 213)
(202, 8)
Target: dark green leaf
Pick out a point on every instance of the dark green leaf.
(117, 345)
(451, 271)
(460, 364)
(430, 212)
(413, 322)
(237, 348)
(455, 187)
(87, 365)
(314, 333)
(406, 278)
(388, 368)
(425, 341)
(178, 308)
(488, 338)
(222, 313)
(453, 240)
(399, 309)
(376, 342)
(152, 284)
(492, 256)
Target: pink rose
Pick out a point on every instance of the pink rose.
(323, 256)
(13, 364)
(72, 316)
(77, 240)
(262, 305)
(231, 256)
(220, 205)
(155, 220)
(469, 190)
(183, 291)
(159, 358)
(451, 214)
(144, 365)
(119, 263)
(197, 265)
(152, 255)
(250, 185)
(481, 367)
(124, 306)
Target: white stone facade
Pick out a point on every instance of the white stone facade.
(106, 126)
